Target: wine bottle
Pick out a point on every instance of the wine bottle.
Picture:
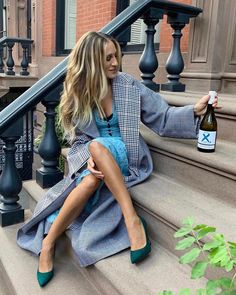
(208, 128)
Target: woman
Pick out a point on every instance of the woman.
(101, 110)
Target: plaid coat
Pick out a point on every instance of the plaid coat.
(102, 233)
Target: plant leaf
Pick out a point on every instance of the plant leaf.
(232, 244)
(219, 255)
(233, 252)
(203, 232)
(219, 237)
(185, 291)
(212, 245)
(183, 231)
(201, 292)
(189, 221)
(199, 269)
(211, 287)
(225, 283)
(229, 266)
(225, 261)
(199, 226)
(185, 243)
(190, 256)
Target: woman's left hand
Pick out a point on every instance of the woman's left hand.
(201, 106)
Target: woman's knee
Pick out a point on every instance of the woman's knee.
(91, 181)
(97, 149)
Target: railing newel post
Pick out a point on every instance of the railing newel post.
(1, 59)
(148, 63)
(11, 211)
(25, 60)
(10, 60)
(175, 62)
(49, 148)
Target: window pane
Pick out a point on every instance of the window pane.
(138, 35)
(70, 23)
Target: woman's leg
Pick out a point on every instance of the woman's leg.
(70, 210)
(115, 182)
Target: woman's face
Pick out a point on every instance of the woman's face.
(111, 63)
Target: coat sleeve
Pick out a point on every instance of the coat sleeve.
(166, 120)
(78, 153)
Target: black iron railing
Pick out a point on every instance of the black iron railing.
(47, 90)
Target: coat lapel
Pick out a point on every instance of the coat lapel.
(127, 104)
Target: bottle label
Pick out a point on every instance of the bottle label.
(206, 139)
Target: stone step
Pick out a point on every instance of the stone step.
(212, 173)
(167, 203)
(158, 272)
(226, 115)
(19, 270)
(170, 202)
(109, 276)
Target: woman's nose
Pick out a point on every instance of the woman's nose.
(114, 61)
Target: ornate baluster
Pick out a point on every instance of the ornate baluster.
(10, 61)
(11, 211)
(175, 63)
(49, 149)
(25, 61)
(148, 62)
(1, 59)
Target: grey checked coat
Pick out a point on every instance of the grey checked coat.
(102, 233)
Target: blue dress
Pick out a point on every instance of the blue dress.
(110, 138)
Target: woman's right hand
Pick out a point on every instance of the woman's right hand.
(93, 169)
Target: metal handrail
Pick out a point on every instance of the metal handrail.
(45, 85)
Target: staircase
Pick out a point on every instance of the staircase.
(184, 183)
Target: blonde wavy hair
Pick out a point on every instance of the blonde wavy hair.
(86, 83)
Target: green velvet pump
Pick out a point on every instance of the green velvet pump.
(140, 254)
(44, 277)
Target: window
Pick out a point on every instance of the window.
(138, 35)
(65, 26)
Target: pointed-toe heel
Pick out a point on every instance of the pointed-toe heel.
(44, 277)
(140, 254)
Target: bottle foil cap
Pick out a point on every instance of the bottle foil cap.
(212, 94)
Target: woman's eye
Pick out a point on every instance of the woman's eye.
(108, 58)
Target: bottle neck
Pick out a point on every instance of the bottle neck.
(210, 107)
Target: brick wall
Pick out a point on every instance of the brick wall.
(49, 27)
(94, 14)
(166, 31)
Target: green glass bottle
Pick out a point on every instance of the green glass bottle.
(208, 128)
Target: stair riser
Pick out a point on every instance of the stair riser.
(162, 232)
(226, 128)
(196, 175)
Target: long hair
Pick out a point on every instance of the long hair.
(86, 83)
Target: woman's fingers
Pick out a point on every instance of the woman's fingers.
(92, 168)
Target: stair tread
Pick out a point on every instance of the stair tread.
(173, 202)
(150, 276)
(20, 266)
(223, 159)
(226, 101)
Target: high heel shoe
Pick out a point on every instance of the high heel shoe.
(138, 255)
(44, 277)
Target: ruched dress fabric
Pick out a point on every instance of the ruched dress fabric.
(110, 138)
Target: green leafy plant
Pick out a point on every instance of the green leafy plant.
(215, 252)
